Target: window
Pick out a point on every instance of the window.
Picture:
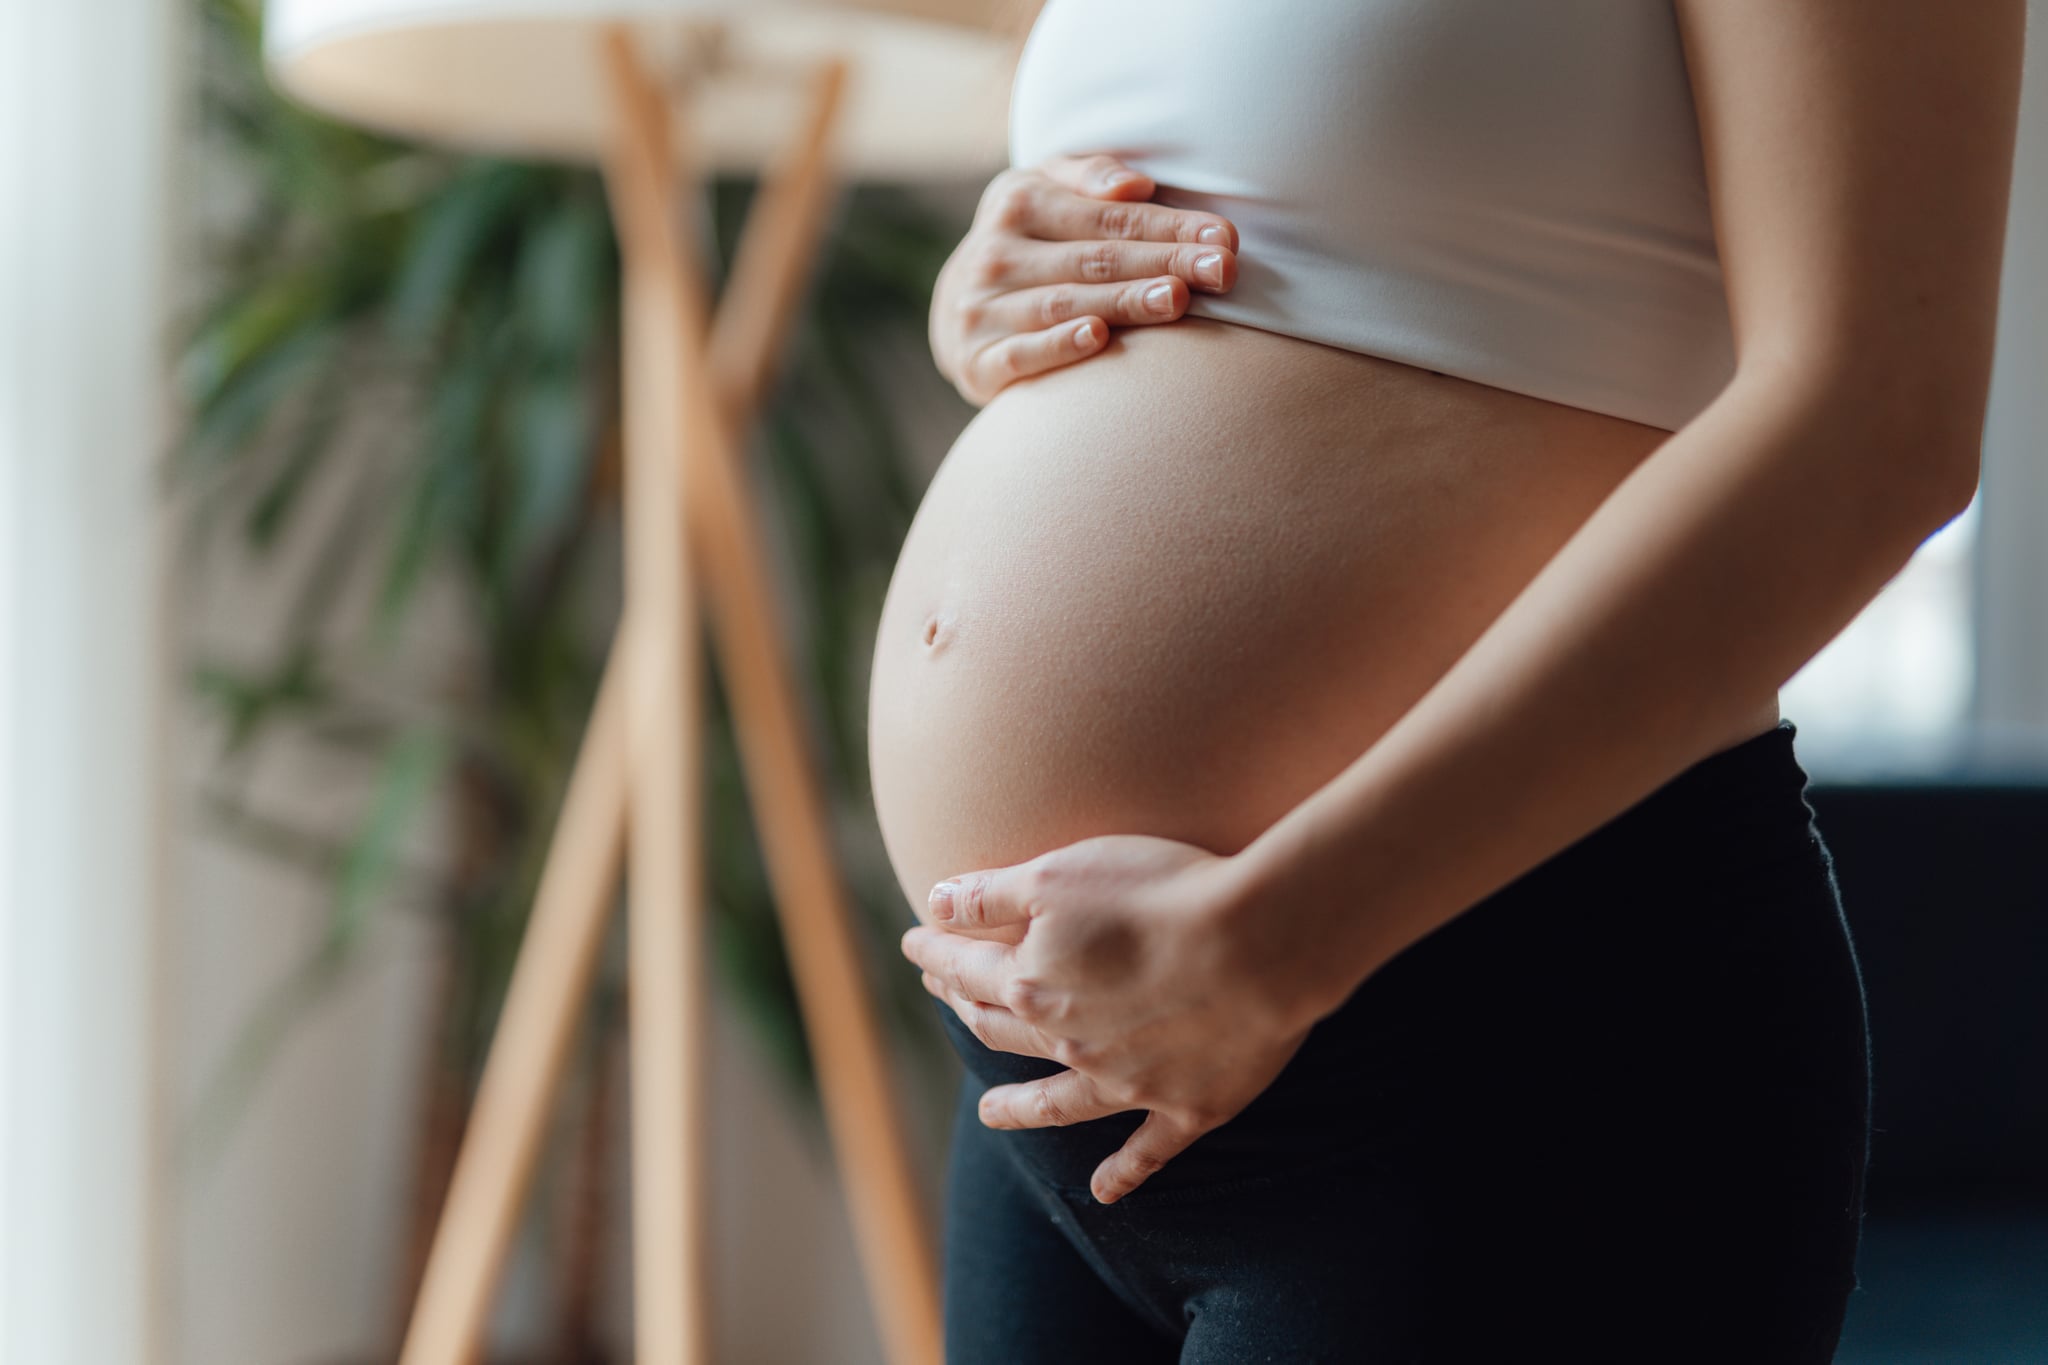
(1894, 688)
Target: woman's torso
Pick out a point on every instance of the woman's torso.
(1176, 587)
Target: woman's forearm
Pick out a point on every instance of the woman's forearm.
(1717, 568)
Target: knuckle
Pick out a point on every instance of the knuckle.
(1099, 165)
(1037, 881)
(1072, 1053)
(969, 317)
(985, 207)
(1011, 201)
(990, 262)
(1049, 1107)
(1024, 998)
(976, 1019)
(1099, 262)
(1121, 220)
(1057, 305)
(968, 905)
(973, 381)
(999, 184)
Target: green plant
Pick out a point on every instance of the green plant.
(430, 340)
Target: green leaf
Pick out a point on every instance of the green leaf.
(446, 246)
(249, 326)
(238, 409)
(561, 290)
(551, 430)
(249, 701)
(434, 504)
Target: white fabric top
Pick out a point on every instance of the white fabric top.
(1509, 192)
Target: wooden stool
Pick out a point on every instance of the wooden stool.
(690, 531)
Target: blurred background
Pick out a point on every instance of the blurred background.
(309, 485)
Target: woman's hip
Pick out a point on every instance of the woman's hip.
(1682, 969)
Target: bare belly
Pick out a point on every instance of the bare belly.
(1177, 587)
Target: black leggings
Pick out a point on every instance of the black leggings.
(1618, 1111)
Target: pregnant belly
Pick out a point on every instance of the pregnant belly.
(1175, 588)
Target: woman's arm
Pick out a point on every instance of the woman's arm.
(1859, 155)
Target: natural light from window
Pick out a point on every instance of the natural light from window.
(1896, 685)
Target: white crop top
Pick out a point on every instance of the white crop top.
(1507, 191)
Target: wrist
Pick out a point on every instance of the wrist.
(1295, 929)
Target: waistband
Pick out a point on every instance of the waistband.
(1748, 800)
(1765, 763)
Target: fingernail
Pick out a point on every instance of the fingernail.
(1209, 268)
(941, 901)
(1159, 299)
(1084, 335)
(1118, 179)
(1213, 235)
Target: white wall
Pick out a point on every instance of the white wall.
(84, 96)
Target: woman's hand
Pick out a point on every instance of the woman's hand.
(1142, 968)
(1056, 253)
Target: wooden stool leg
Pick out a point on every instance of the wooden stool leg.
(666, 929)
(559, 952)
(890, 1223)
(889, 1219)
(550, 979)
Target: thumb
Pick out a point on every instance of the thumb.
(1100, 176)
(1158, 1140)
(983, 900)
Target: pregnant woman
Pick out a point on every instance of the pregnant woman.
(1330, 740)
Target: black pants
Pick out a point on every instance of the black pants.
(1618, 1111)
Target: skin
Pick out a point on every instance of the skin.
(1859, 156)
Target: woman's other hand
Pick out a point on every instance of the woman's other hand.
(1057, 252)
(1139, 969)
